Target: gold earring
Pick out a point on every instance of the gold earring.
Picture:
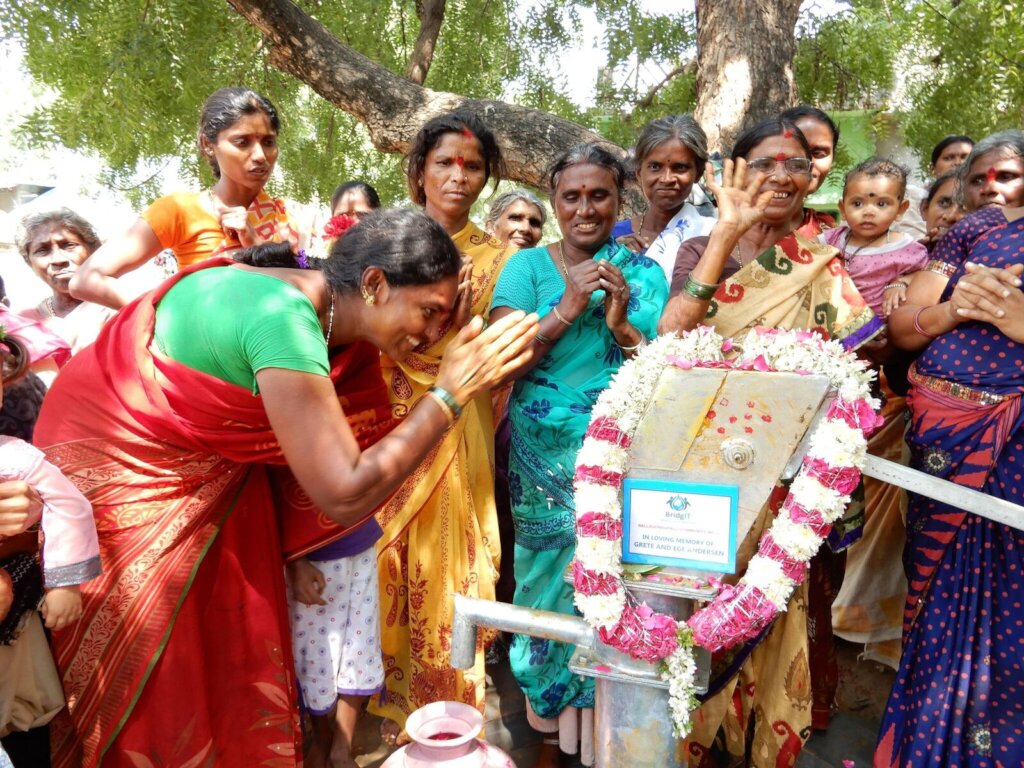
(368, 297)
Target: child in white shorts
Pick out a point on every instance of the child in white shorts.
(335, 618)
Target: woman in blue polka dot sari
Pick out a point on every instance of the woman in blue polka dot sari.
(958, 699)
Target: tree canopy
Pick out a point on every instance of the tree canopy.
(130, 75)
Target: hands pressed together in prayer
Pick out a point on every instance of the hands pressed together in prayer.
(593, 275)
(482, 355)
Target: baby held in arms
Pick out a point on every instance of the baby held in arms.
(31, 694)
(874, 199)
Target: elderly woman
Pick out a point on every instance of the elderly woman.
(440, 527)
(54, 244)
(179, 404)
(757, 269)
(516, 217)
(598, 303)
(957, 696)
(670, 156)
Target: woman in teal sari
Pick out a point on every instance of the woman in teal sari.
(598, 303)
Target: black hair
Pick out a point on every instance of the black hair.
(62, 218)
(372, 198)
(1005, 143)
(879, 166)
(951, 139)
(226, 107)
(682, 128)
(431, 134)
(408, 246)
(588, 154)
(933, 189)
(14, 360)
(767, 129)
(271, 256)
(805, 110)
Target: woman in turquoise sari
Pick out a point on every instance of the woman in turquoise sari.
(598, 303)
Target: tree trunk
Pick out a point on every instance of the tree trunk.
(392, 107)
(745, 52)
(431, 18)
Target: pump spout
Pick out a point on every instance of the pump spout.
(471, 612)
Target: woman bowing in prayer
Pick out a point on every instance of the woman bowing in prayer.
(182, 655)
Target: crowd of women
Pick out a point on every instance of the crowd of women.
(261, 481)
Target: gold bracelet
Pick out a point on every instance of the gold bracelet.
(449, 415)
(561, 319)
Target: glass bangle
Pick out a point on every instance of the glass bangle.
(448, 399)
(451, 417)
(699, 290)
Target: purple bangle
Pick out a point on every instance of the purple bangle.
(917, 324)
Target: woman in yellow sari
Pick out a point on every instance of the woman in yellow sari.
(756, 270)
(440, 527)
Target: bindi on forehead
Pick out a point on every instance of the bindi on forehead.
(788, 133)
(990, 174)
(460, 160)
(781, 156)
(467, 133)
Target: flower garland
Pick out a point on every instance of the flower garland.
(817, 497)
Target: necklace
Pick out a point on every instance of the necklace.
(738, 256)
(849, 256)
(330, 319)
(49, 310)
(561, 255)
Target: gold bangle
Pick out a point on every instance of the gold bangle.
(561, 319)
(700, 291)
(449, 415)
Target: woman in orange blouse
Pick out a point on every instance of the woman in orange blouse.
(238, 137)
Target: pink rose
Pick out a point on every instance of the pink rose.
(842, 479)
(858, 415)
(589, 583)
(680, 362)
(598, 475)
(600, 525)
(606, 428)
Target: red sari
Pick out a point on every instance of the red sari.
(182, 656)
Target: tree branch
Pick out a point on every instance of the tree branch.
(688, 68)
(393, 108)
(423, 51)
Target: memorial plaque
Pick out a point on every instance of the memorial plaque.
(686, 525)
